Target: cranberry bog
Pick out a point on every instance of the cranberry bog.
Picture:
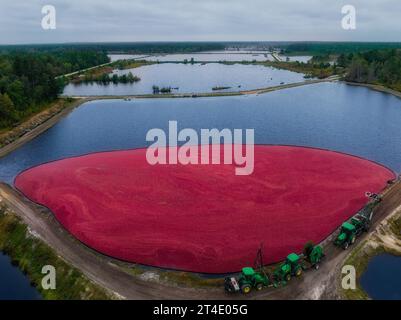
(203, 218)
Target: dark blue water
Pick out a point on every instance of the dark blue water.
(14, 285)
(329, 115)
(382, 278)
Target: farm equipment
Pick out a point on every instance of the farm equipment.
(248, 280)
(313, 255)
(311, 258)
(293, 266)
(358, 224)
(353, 228)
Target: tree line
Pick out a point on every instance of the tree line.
(28, 79)
(126, 47)
(375, 67)
(107, 78)
(324, 48)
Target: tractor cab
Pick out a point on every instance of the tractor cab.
(348, 229)
(249, 279)
(291, 267)
(347, 235)
(293, 259)
(248, 273)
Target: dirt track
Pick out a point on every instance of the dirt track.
(103, 270)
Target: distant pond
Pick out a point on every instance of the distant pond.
(190, 78)
(201, 57)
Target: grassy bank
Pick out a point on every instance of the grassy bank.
(30, 254)
(28, 123)
(131, 64)
(309, 69)
(103, 74)
(379, 88)
(29, 114)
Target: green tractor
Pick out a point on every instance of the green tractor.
(347, 236)
(291, 267)
(358, 224)
(248, 280)
(352, 229)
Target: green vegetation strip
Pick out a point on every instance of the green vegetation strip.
(381, 67)
(30, 254)
(49, 113)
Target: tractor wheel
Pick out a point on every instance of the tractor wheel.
(288, 277)
(346, 245)
(317, 266)
(246, 288)
(259, 286)
(298, 273)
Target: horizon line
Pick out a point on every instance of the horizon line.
(195, 41)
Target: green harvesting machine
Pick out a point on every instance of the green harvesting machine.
(358, 224)
(248, 280)
(293, 266)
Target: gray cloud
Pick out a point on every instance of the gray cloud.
(175, 20)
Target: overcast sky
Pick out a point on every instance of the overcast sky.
(198, 20)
